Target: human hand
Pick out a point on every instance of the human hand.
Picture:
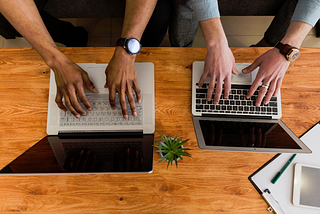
(219, 64)
(273, 67)
(70, 79)
(121, 77)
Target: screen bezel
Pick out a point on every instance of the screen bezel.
(148, 149)
(297, 184)
(202, 145)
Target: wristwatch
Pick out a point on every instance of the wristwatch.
(131, 45)
(289, 52)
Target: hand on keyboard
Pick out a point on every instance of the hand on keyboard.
(219, 64)
(69, 79)
(273, 67)
(121, 77)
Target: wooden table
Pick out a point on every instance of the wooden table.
(212, 181)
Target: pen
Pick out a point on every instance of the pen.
(278, 175)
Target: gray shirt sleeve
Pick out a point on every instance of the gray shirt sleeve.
(205, 9)
(307, 11)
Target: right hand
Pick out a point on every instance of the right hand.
(218, 66)
(70, 79)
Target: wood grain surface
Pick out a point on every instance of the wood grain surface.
(210, 182)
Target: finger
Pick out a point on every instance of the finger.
(262, 93)
(131, 102)
(88, 82)
(254, 87)
(234, 70)
(270, 92)
(74, 100)
(202, 79)
(137, 91)
(278, 86)
(59, 101)
(218, 92)
(112, 97)
(67, 102)
(82, 97)
(252, 67)
(227, 87)
(123, 103)
(211, 88)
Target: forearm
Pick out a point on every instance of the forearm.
(137, 15)
(296, 33)
(213, 33)
(25, 18)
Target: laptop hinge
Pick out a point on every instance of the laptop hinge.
(100, 134)
(238, 116)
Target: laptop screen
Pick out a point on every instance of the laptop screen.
(246, 135)
(53, 155)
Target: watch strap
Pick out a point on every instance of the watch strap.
(284, 48)
(121, 41)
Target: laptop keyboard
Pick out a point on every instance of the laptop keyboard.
(236, 103)
(102, 114)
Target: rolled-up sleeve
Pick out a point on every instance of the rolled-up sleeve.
(307, 11)
(205, 9)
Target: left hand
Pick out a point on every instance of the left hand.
(273, 66)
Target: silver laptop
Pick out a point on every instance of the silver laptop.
(102, 118)
(236, 124)
(236, 104)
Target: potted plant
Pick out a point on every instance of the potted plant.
(171, 149)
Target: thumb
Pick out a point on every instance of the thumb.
(251, 67)
(234, 70)
(88, 83)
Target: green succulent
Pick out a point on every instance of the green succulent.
(172, 149)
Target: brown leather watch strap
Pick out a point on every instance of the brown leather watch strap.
(284, 48)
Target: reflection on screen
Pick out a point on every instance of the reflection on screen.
(55, 155)
(246, 134)
(310, 187)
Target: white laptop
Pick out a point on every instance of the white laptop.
(102, 118)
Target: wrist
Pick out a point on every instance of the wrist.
(121, 52)
(55, 58)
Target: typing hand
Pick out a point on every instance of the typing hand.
(219, 64)
(121, 78)
(273, 67)
(70, 79)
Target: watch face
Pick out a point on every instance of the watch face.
(293, 55)
(134, 46)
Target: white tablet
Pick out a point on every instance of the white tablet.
(306, 186)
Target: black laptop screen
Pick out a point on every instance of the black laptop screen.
(85, 156)
(246, 134)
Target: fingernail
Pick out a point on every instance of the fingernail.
(244, 70)
(84, 113)
(95, 90)
(134, 113)
(77, 116)
(139, 101)
(125, 116)
(89, 109)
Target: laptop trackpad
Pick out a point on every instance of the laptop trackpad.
(241, 78)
